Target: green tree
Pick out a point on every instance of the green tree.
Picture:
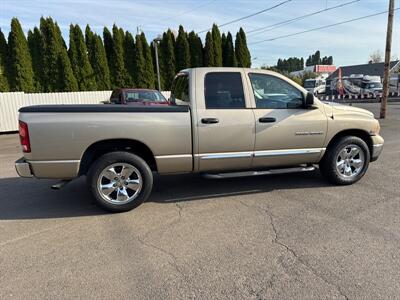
(98, 59)
(223, 43)
(109, 48)
(4, 86)
(242, 52)
(217, 42)
(182, 51)
(35, 44)
(116, 62)
(140, 64)
(57, 71)
(196, 50)
(149, 67)
(209, 60)
(21, 72)
(168, 59)
(229, 58)
(129, 58)
(66, 81)
(78, 56)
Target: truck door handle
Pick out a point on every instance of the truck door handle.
(266, 120)
(209, 120)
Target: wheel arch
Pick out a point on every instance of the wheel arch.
(102, 147)
(362, 134)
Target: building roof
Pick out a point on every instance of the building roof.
(375, 69)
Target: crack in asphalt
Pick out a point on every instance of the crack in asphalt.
(174, 263)
(277, 241)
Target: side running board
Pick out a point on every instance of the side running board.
(258, 173)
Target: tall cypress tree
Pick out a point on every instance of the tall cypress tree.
(168, 59)
(4, 86)
(50, 55)
(140, 64)
(217, 41)
(21, 72)
(223, 44)
(229, 58)
(117, 66)
(57, 71)
(209, 60)
(196, 50)
(109, 48)
(129, 58)
(149, 67)
(98, 59)
(182, 51)
(35, 44)
(241, 50)
(79, 60)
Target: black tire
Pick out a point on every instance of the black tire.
(117, 157)
(328, 163)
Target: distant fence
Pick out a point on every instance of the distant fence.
(357, 97)
(10, 103)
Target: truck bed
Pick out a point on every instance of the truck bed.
(60, 135)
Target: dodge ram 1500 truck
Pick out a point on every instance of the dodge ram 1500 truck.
(222, 122)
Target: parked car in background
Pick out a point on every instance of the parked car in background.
(137, 97)
(226, 122)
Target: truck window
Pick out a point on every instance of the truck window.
(224, 90)
(180, 90)
(271, 92)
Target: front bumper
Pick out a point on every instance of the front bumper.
(23, 168)
(377, 147)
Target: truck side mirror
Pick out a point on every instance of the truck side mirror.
(309, 99)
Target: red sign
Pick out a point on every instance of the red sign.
(324, 69)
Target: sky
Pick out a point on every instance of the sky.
(349, 44)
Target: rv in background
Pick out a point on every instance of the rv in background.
(371, 85)
(315, 85)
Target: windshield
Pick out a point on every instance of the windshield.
(309, 83)
(139, 96)
(375, 85)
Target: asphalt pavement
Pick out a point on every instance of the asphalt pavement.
(291, 236)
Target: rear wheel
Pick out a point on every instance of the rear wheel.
(120, 181)
(346, 161)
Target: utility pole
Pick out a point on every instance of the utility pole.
(155, 44)
(386, 75)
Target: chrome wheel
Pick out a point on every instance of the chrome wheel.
(350, 161)
(119, 183)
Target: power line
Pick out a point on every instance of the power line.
(319, 28)
(248, 16)
(276, 25)
(190, 10)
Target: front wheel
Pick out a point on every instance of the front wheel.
(346, 161)
(120, 181)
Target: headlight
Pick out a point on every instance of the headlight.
(376, 128)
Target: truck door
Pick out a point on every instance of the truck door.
(287, 133)
(225, 123)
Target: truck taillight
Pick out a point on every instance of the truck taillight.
(24, 137)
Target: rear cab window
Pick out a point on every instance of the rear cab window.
(224, 90)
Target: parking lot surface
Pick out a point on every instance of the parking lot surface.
(269, 237)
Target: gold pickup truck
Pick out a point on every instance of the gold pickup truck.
(222, 122)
